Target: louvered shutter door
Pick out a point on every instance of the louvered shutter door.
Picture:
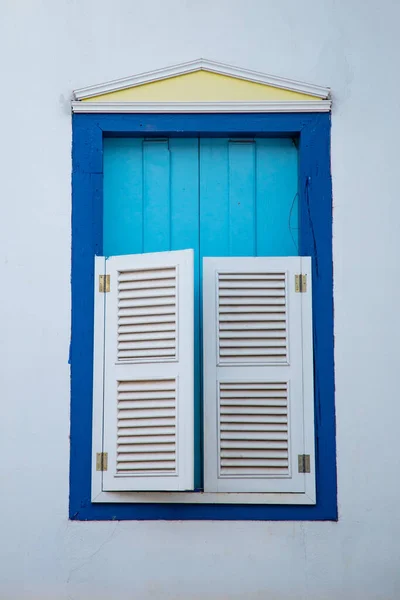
(258, 375)
(148, 372)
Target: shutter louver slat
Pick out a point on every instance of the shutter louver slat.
(147, 304)
(134, 406)
(147, 314)
(243, 298)
(143, 430)
(257, 458)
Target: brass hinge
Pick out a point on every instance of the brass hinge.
(101, 461)
(304, 463)
(104, 283)
(300, 283)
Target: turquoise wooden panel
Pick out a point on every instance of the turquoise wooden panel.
(214, 197)
(242, 199)
(184, 176)
(248, 197)
(156, 196)
(123, 204)
(277, 209)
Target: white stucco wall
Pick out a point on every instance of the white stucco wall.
(48, 48)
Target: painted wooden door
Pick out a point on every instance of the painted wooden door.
(218, 196)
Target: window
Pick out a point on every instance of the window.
(241, 484)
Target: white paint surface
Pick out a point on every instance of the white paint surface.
(48, 49)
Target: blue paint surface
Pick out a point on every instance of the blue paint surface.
(156, 197)
(243, 201)
(125, 207)
(214, 229)
(277, 182)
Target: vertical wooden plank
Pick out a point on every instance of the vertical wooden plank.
(277, 198)
(122, 220)
(184, 177)
(242, 213)
(214, 215)
(156, 196)
(214, 197)
(184, 193)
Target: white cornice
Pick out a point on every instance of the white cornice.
(201, 65)
(202, 107)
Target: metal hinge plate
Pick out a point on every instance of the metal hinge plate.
(101, 461)
(304, 463)
(300, 282)
(104, 283)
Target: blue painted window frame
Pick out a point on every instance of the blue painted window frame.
(315, 212)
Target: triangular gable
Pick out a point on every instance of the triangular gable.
(202, 86)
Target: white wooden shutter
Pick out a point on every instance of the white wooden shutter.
(258, 376)
(148, 372)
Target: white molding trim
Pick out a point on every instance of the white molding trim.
(202, 498)
(202, 107)
(202, 64)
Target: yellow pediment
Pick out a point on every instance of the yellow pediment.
(201, 86)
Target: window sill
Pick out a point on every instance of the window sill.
(201, 498)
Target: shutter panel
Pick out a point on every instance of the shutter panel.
(258, 375)
(148, 372)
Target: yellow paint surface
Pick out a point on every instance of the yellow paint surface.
(201, 86)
